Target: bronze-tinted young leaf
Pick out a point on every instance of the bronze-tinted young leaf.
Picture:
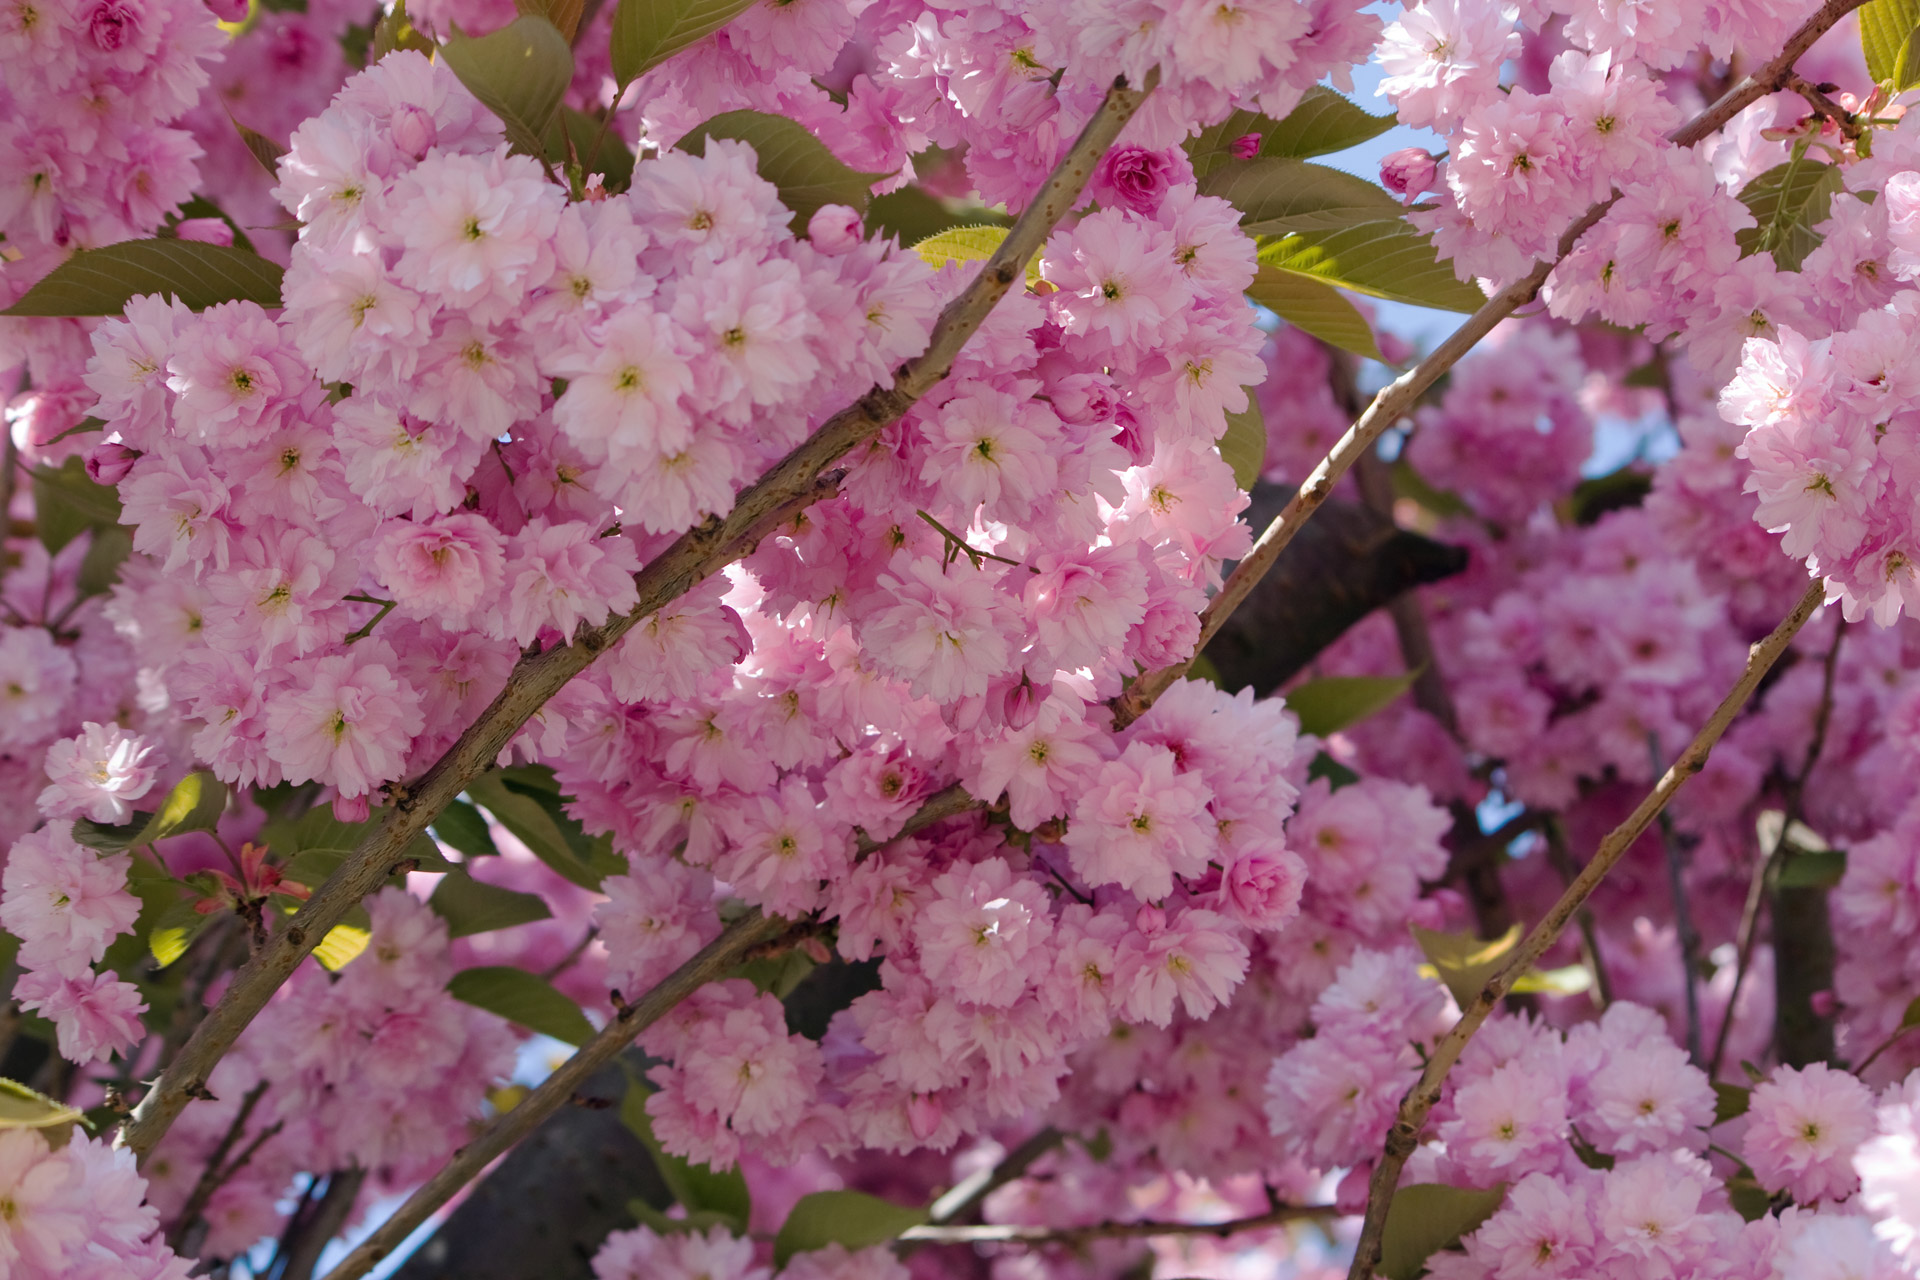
(519, 73)
(1788, 201)
(1324, 122)
(262, 148)
(792, 159)
(1317, 308)
(1277, 195)
(563, 14)
(522, 998)
(1387, 258)
(648, 32)
(1244, 445)
(98, 282)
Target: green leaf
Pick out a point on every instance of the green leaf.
(522, 998)
(1331, 703)
(111, 839)
(98, 282)
(1244, 445)
(1788, 201)
(1568, 980)
(1337, 775)
(317, 830)
(195, 804)
(471, 906)
(972, 243)
(851, 1218)
(537, 817)
(396, 31)
(777, 975)
(1463, 961)
(22, 1108)
(1386, 258)
(1817, 869)
(342, 946)
(175, 931)
(698, 1187)
(792, 159)
(67, 502)
(1912, 1016)
(563, 14)
(1408, 483)
(100, 567)
(1886, 29)
(519, 73)
(1277, 195)
(1729, 1101)
(1616, 491)
(465, 828)
(1323, 122)
(1428, 1217)
(598, 150)
(1317, 308)
(911, 214)
(648, 32)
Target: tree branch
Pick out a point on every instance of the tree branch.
(714, 960)
(1398, 397)
(1018, 1233)
(967, 1194)
(215, 1173)
(793, 484)
(1404, 1136)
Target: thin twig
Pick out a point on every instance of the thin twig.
(1827, 108)
(1768, 866)
(967, 1194)
(1404, 1136)
(1019, 1233)
(795, 483)
(215, 1173)
(1898, 1034)
(1685, 934)
(1562, 860)
(1398, 397)
(715, 959)
(567, 961)
(296, 1257)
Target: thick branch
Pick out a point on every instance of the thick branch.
(1404, 1136)
(1397, 399)
(715, 960)
(796, 482)
(1017, 1233)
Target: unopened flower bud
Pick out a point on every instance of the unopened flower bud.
(205, 230)
(834, 228)
(109, 463)
(1408, 173)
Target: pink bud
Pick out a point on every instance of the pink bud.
(413, 130)
(1408, 173)
(1150, 920)
(108, 463)
(1824, 1003)
(205, 230)
(351, 809)
(924, 1114)
(1245, 147)
(1022, 704)
(835, 228)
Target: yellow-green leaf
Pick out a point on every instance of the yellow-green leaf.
(342, 945)
(22, 1108)
(519, 73)
(1244, 445)
(1788, 201)
(791, 158)
(1332, 703)
(1428, 1217)
(1387, 258)
(563, 14)
(1886, 30)
(1462, 961)
(98, 282)
(195, 804)
(396, 31)
(1316, 308)
(175, 931)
